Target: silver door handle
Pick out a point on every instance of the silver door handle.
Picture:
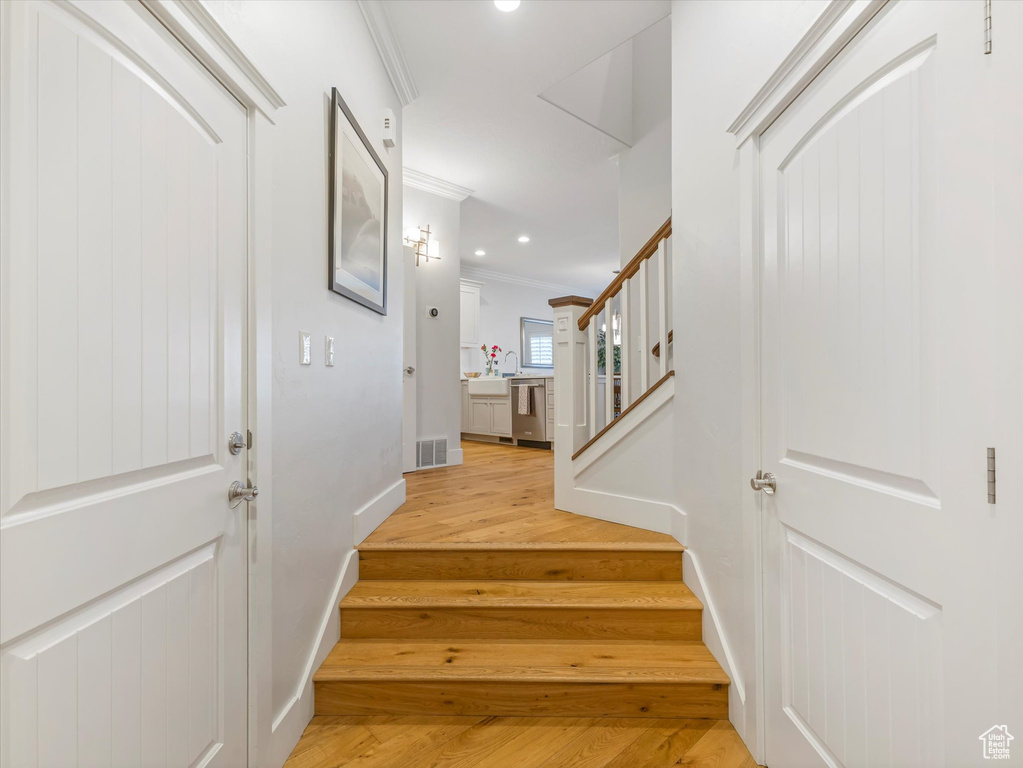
(410, 370)
(239, 492)
(764, 481)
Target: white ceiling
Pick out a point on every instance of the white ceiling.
(479, 123)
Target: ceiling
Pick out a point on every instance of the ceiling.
(479, 123)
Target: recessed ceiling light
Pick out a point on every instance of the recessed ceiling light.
(523, 238)
(506, 5)
(481, 253)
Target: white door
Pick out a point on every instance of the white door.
(891, 361)
(122, 566)
(408, 387)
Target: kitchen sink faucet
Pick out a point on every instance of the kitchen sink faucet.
(512, 352)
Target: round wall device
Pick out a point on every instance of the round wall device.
(434, 311)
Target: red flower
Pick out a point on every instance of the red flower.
(493, 354)
(484, 347)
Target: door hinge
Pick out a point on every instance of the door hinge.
(990, 475)
(987, 26)
(248, 439)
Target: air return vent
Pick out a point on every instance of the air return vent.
(431, 453)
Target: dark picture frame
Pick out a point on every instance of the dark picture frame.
(358, 212)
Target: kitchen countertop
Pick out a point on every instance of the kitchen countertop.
(522, 376)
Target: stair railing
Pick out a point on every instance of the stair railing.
(603, 360)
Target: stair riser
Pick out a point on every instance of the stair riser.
(522, 623)
(522, 699)
(518, 564)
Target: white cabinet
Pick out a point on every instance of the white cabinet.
(487, 416)
(465, 407)
(501, 417)
(469, 313)
(549, 382)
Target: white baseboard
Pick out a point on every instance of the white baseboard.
(295, 715)
(714, 637)
(454, 457)
(379, 509)
(659, 516)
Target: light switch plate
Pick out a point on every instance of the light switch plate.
(329, 350)
(305, 351)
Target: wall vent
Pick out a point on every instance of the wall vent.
(431, 453)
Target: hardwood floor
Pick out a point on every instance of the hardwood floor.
(518, 742)
(500, 494)
(489, 629)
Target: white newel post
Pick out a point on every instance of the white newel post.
(570, 387)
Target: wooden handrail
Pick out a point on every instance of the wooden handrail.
(630, 269)
(635, 404)
(656, 351)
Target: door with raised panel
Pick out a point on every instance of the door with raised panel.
(890, 363)
(122, 565)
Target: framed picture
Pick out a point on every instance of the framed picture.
(358, 212)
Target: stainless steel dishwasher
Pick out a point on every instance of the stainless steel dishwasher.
(531, 426)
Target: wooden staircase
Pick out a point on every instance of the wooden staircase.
(538, 628)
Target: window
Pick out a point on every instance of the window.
(537, 343)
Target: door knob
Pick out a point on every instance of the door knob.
(764, 481)
(239, 492)
(410, 370)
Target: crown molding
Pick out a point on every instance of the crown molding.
(488, 275)
(432, 184)
(200, 32)
(375, 14)
(837, 24)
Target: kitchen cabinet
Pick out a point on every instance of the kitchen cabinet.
(550, 408)
(465, 407)
(487, 416)
(469, 313)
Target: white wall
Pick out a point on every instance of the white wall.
(504, 300)
(644, 170)
(336, 431)
(722, 53)
(438, 391)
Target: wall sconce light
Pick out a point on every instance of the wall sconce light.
(422, 245)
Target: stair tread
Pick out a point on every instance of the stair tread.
(665, 662)
(532, 546)
(455, 593)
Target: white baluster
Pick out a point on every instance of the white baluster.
(625, 330)
(609, 361)
(591, 370)
(662, 306)
(644, 329)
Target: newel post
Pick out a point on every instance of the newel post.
(570, 427)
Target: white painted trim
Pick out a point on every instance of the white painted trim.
(367, 519)
(840, 22)
(658, 516)
(434, 185)
(830, 33)
(714, 636)
(260, 421)
(749, 353)
(202, 35)
(375, 14)
(625, 426)
(295, 715)
(481, 275)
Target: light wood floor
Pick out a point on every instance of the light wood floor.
(478, 598)
(518, 742)
(500, 494)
